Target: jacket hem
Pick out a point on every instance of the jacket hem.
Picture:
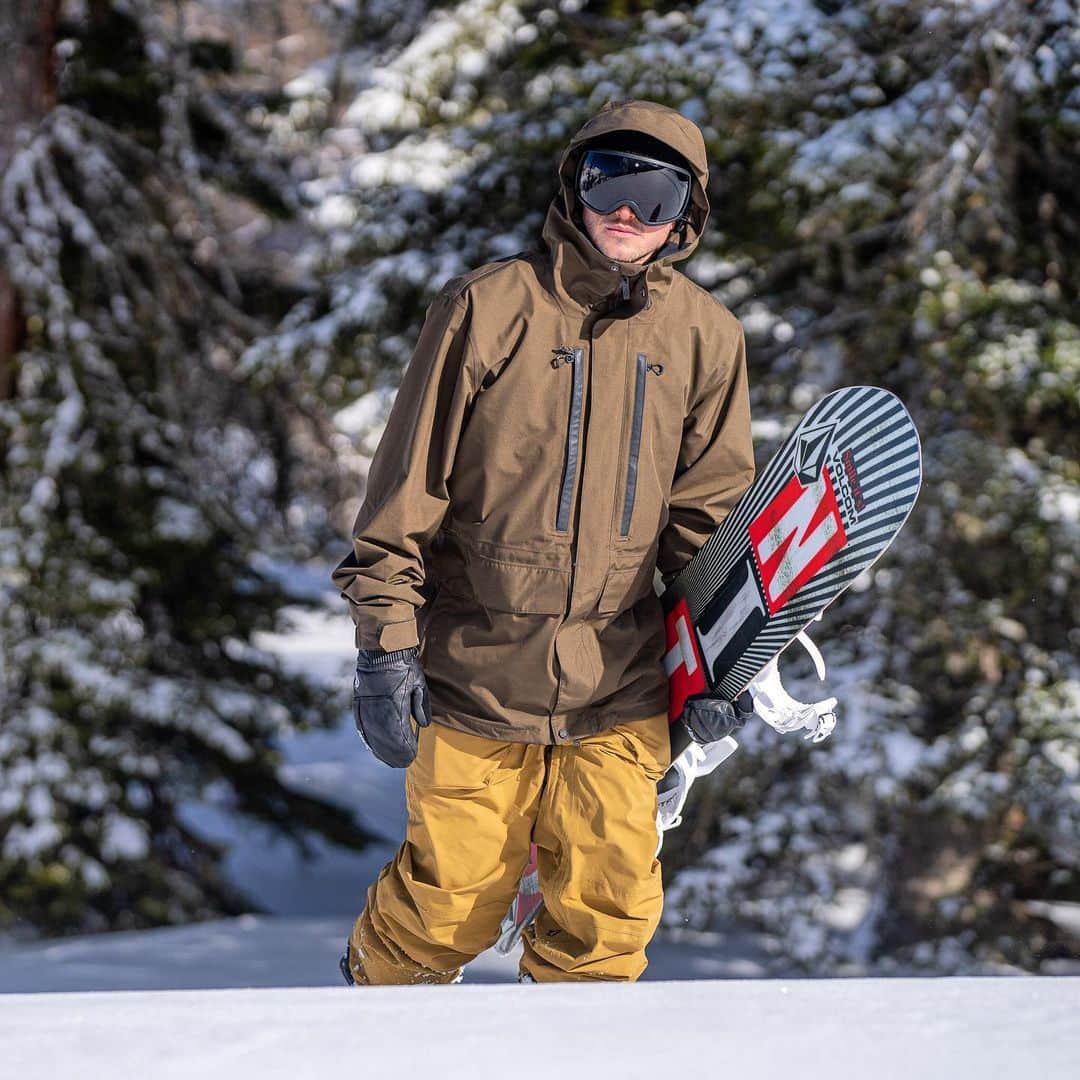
(581, 723)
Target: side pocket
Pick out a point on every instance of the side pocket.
(454, 763)
(518, 587)
(624, 588)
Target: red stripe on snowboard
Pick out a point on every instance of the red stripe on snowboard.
(795, 536)
(682, 659)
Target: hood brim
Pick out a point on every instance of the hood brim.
(662, 123)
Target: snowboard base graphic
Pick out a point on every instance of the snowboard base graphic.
(824, 509)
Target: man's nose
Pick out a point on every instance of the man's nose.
(623, 213)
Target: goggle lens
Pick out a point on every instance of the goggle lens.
(656, 191)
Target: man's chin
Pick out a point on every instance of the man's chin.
(619, 253)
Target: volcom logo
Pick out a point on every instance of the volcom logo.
(812, 451)
(848, 486)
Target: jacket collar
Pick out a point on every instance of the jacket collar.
(590, 280)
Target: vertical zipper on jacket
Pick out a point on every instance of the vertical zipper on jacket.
(643, 368)
(573, 357)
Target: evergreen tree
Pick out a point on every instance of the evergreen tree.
(140, 478)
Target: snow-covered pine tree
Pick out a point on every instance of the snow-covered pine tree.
(139, 475)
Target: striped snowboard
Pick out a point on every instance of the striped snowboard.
(825, 508)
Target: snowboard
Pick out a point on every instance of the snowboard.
(824, 509)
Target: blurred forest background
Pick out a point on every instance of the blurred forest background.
(220, 223)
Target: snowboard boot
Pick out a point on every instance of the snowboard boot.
(343, 964)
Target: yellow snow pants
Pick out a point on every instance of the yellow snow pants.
(475, 805)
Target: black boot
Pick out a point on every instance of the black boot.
(346, 970)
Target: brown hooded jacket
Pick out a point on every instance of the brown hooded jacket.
(567, 424)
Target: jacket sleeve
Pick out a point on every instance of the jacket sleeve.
(407, 494)
(716, 462)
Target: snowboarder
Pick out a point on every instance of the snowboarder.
(572, 420)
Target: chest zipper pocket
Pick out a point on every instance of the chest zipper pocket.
(640, 385)
(574, 357)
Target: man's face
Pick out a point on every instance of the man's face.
(621, 236)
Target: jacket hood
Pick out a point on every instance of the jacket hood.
(563, 223)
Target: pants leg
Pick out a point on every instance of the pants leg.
(596, 840)
(439, 902)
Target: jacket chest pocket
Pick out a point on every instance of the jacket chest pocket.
(643, 373)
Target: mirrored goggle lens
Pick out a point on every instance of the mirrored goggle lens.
(656, 192)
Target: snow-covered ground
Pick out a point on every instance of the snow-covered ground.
(902, 1028)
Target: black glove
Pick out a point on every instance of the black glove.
(388, 692)
(710, 719)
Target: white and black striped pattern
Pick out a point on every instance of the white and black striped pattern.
(876, 427)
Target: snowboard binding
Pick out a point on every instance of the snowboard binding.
(781, 711)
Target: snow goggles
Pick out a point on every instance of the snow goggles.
(656, 191)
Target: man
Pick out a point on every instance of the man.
(572, 420)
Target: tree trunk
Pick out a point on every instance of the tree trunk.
(27, 93)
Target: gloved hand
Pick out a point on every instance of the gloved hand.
(388, 693)
(710, 719)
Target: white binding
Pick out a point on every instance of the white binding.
(781, 711)
(776, 707)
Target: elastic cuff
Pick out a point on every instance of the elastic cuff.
(377, 660)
